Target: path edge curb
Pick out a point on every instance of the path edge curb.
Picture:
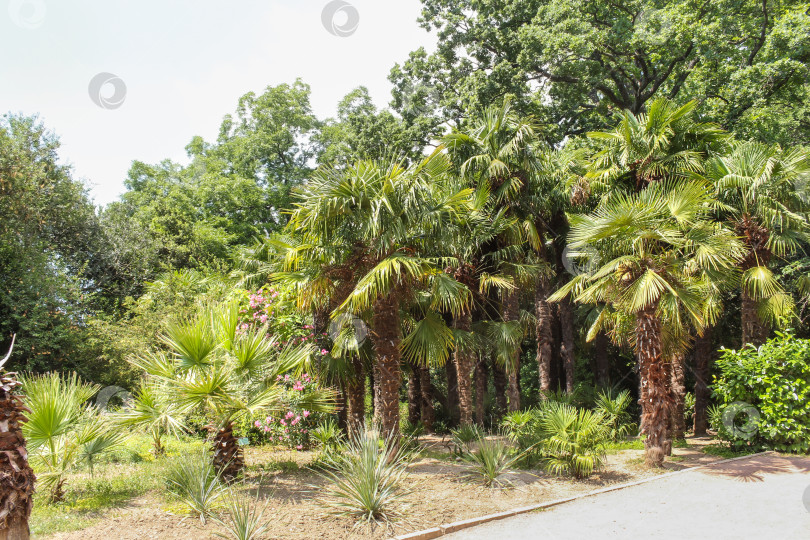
(447, 528)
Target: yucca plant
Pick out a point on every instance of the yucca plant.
(574, 440)
(614, 411)
(195, 481)
(16, 476)
(243, 518)
(365, 480)
(62, 429)
(491, 461)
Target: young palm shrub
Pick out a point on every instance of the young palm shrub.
(491, 461)
(574, 440)
(195, 481)
(243, 518)
(61, 429)
(614, 410)
(152, 408)
(328, 435)
(464, 436)
(365, 480)
(16, 476)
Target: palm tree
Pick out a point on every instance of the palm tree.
(394, 218)
(227, 375)
(758, 190)
(666, 142)
(499, 152)
(153, 408)
(16, 476)
(655, 244)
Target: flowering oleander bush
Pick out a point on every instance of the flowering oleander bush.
(293, 427)
(269, 306)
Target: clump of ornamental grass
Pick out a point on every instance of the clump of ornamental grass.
(491, 461)
(243, 518)
(195, 481)
(364, 481)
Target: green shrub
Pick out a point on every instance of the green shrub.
(618, 421)
(464, 436)
(574, 440)
(765, 395)
(490, 461)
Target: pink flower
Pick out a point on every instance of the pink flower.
(299, 447)
(306, 414)
(283, 423)
(257, 423)
(324, 351)
(290, 414)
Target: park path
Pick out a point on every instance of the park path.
(761, 497)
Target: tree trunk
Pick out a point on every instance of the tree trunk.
(481, 377)
(754, 331)
(414, 397)
(356, 398)
(600, 348)
(16, 476)
(386, 327)
(375, 398)
(654, 399)
(567, 345)
(425, 385)
(703, 361)
(544, 334)
(512, 314)
(453, 408)
(228, 460)
(678, 387)
(670, 426)
(463, 360)
(499, 380)
(341, 405)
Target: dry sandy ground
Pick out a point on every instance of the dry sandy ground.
(440, 494)
(760, 497)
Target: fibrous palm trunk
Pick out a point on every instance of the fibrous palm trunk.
(512, 314)
(544, 334)
(600, 345)
(16, 476)
(356, 398)
(677, 387)
(452, 403)
(386, 328)
(567, 342)
(654, 398)
(481, 377)
(414, 397)
(703, 360)
(754, 330)
(499, 381)
(228, 460)
(426, 386)
(463, 360)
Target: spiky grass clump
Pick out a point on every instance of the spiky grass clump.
(463, 437)
(194, 480)
(365, 480)
(243, 518)
(491, 461)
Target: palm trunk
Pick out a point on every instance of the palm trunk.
(481, 376)
(341, 406)
(16, 476)
(754, 330)
(463, 360)
(512, 314)
(228, 460)
(678, 386)
(567, 345)
(356, 398)
(499, 380)
(703, 360)
(654, 399)
(425, 385)
(544, 334)
(600, 346)
(375, 395)
(386, 326)
(414, 397)
(452, 404)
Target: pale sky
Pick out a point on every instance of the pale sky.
(185, 63)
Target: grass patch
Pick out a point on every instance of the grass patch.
(281, 465)
(725, 452)
(630, 444)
